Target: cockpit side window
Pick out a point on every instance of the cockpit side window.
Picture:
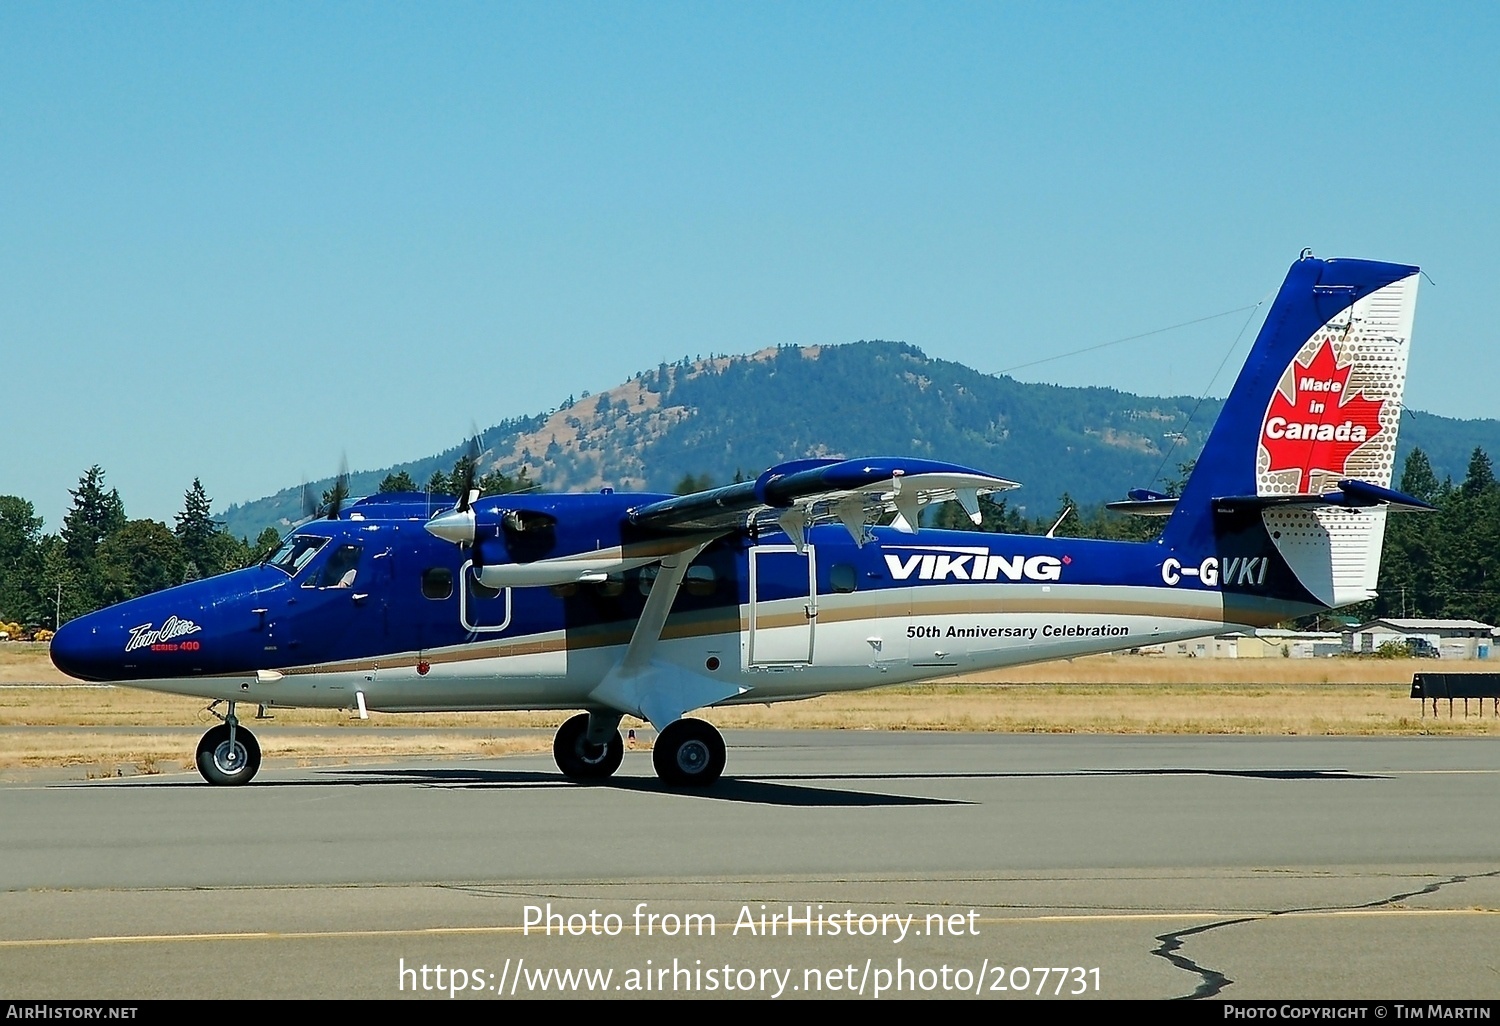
(295, 553)
(340, 570)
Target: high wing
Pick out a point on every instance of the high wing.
(672, 532)
(803, 492)
(793, 496)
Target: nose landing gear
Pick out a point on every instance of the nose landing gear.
(228, 754)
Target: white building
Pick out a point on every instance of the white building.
(1451, 639)
(1266, 643)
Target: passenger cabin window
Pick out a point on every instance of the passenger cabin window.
(295, 553)
(842, 577)
(340, 570)
(648, 578)
(437, 582)
(700, 581)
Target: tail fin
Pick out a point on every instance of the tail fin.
(1316, 407)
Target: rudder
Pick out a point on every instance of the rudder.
(1317, 405)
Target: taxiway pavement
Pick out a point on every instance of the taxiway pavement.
(1147, 867)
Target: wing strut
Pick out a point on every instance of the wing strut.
(658, 604)
(651, 688)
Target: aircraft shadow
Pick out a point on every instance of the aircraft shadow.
(754, 791)
(790, 790)
(747, 791)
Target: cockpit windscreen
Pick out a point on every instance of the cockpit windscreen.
(295, 552)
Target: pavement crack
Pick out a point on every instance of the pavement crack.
(1212, 981)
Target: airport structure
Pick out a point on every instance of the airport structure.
(1446, 639)
(1268, 643)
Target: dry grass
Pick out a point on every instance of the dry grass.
(103, 754)
(1103, 694)
(27, 662)
(1129, 669)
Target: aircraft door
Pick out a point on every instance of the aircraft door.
(783, 605)
(338, 608)
(482, 610)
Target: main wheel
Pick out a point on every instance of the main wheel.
(580, 760)
(223, 764)
(689, 753)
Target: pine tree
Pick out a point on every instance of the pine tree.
(196, 530)
(1481, 474)
(1417, 478)
(401, 482)
(96, 514)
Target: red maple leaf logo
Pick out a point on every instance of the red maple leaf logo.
(1323, 424)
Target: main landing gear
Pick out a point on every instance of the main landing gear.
(228, 754)
(688, 753)
(582, 759)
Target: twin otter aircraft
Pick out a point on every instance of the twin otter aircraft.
(785, 587)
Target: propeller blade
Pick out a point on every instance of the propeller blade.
(467, 493)
(336, 495)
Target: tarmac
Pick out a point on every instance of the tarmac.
(842, 865)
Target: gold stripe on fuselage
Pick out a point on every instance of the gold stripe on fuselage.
(924, 603)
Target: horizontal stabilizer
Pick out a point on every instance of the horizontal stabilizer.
(1143, 502)
(1351, 495)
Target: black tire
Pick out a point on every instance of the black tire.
(689, 753)
(580, 760)
(225, 767)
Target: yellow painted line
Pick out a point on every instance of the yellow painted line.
(1434, 773)
(168, 938)
(458, 931)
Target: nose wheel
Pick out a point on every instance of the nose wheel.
(689, 753)
(228, 754)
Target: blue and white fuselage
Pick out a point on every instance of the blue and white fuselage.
(812, 579)
(773, 621)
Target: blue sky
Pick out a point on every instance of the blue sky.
(238, 240)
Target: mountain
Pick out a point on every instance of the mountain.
(728, 415)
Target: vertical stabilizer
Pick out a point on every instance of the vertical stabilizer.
(1317, 403)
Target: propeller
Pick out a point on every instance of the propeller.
(335, 496)
(467, 492)
(469, 463)
(459, 524)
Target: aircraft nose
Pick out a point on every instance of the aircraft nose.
(81, 647)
